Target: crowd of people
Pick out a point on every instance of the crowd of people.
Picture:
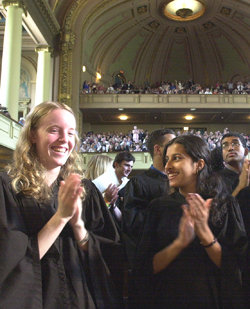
(174, 236)
(167, 87)
(119, 141)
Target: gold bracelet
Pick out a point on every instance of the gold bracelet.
(83, 240)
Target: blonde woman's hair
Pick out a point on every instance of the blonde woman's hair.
(27, 173)
(97, 165)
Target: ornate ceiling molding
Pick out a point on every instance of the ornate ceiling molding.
(42, 15)
(67, 42)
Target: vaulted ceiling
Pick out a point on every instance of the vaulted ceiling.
(134, 36)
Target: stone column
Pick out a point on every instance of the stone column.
(11, 58)
(43, 78)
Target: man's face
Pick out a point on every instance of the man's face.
(233, 150)
(124, 168)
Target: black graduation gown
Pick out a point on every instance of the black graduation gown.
(66, 277)
(244, 201)
(192, 280)
(230, 178)
(139, 192)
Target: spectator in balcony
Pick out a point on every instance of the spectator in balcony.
(85, 87)
(135, 132)
(110, 89)
(208, 91)
(240, 87)
(137, 148)
(21, 121)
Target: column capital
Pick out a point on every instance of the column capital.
(17, 3)
(44, 48)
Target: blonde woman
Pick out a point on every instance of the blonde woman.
(97, 165)
(51, 222)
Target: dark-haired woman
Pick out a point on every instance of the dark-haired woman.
(194, 240)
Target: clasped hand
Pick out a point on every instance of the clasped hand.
(194, 219)
(69, 199)
(244, 179)
(111, 194)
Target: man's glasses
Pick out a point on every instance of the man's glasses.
(233, 145)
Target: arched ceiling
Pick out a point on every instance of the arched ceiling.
(135, 37)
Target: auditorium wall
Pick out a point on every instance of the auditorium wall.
(242, 128)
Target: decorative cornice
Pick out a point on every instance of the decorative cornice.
(43, 48)
(68, 20)
(45, 13)
(17, 3)
(67, 42)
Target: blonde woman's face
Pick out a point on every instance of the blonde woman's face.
(55, 138)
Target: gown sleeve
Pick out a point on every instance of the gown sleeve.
(20, 272)
(233, 240)
(160, 217)
(244, 201)
(105, 253)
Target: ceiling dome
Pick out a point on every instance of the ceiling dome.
(183, 10)
(209, 44)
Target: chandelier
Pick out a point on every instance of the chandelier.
(183, 10)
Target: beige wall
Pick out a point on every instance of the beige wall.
(242, 128)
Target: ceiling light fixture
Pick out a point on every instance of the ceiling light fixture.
(123, 117)
(183, 10)
(189, 117)
(98, 75)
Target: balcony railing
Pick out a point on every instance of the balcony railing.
(9, 132)
(164, 100)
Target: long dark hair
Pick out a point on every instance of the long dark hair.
(209, 184)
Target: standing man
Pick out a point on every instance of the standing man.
(236, 176)
(141, 189)
(139, 192)
(234, 152)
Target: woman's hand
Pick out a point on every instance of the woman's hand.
(68, 196)
(199, 210)
(76, 220)
(186, 228)
(69, 208)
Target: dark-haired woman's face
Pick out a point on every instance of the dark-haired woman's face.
(180, 169)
